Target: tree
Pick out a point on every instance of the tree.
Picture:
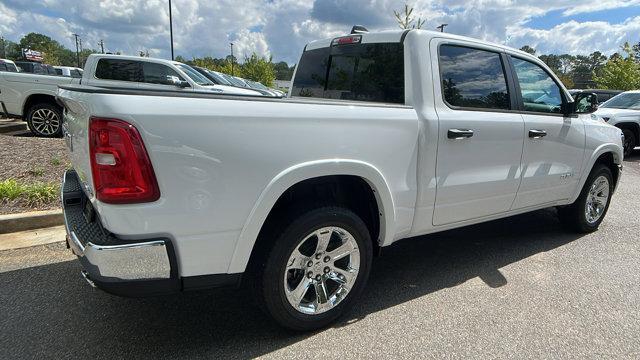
(528, 49)
(258, 68)
(406, 21)
(283, 71)
(552, 61)
(620, 72)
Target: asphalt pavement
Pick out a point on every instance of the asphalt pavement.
(521, 287)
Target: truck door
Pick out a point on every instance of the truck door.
(480, 137)
(553, 145)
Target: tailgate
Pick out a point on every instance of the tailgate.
(75, 128)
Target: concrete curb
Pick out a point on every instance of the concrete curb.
(30, 220)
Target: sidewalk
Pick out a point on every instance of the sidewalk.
(23, 239)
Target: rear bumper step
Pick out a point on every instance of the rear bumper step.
(122, 267)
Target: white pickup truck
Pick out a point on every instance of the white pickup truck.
(385, 136)
(32, 96)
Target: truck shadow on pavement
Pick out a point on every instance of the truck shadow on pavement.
(49, 311)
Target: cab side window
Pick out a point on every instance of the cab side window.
(473, 78)
(120, 70)
(539, 91)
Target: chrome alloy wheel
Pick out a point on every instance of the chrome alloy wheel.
(45, 121)
(597, 199)
(321, 270)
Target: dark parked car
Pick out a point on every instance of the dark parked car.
(603, 94)
(36, 68)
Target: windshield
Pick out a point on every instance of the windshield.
(233, 80)
(623, 101)
(219, 78)
(194, 75)
(257, 85)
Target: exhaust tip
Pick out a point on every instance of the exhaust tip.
(85, 275)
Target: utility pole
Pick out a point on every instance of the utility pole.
(231, 58)
(171, 29)
(441, 27)
(101, 43)
(77, 49)
(2, 52)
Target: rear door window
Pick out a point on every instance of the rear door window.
(361, 72)
(120, 70)
(473, 78)
(155, 73)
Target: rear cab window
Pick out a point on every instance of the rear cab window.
(372, 72)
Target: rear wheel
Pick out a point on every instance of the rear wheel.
(45, 120)
(316, 269)
(588, 211)
(630, 141)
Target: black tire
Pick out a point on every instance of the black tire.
(45, 120)
(630, 141)
(574, 216)
(270, 282)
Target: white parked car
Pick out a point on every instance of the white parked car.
(405, 133)
(623, 111)
(31, 96)
(68, 71)
(151, 74)
(8, 65)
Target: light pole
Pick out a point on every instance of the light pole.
(441, 27)
(231, 58)
(77, 51)
(101, 43)
(171, 29)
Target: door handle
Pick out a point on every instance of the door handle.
(457, 134)
(537, 134)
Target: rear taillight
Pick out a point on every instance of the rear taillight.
(122, 171)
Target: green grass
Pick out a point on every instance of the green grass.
(38, 172)
(10, 189)
(31, 194)
(55, 161)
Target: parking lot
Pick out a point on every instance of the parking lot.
(520, 287)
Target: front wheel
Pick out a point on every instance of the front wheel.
(45, 120)
(588, 211)
(316, 269)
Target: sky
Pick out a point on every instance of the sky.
(281, 28)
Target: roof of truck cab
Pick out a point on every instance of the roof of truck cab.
(399, 35)
(135, 58)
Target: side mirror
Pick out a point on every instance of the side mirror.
(175, 81)
(584, 103)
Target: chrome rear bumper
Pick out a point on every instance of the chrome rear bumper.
(122, 267)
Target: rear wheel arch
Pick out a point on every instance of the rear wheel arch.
(35, 99)
(324, 176)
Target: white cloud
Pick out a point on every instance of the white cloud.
(281, 28)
